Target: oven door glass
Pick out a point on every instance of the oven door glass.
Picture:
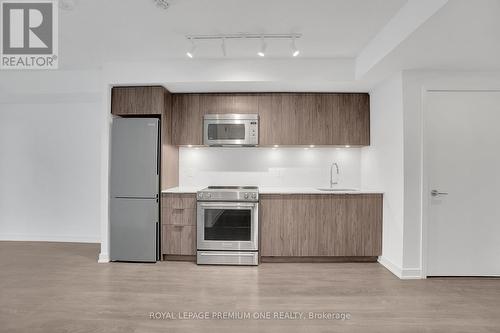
(226, 131)
(227, 224)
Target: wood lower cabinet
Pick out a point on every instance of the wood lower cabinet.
(285, 118)
(179, 240)
(311, 225)
(178, 215)
(179, 200)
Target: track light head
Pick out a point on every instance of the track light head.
(190, 52)
(295, 50)
(263, 46)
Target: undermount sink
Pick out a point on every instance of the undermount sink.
(329, 189)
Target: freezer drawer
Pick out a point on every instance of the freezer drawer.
(133, 229)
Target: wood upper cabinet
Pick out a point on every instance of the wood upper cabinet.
(285, 118)
(187, 119)
(354, 119)
(229, 103)
(178, 216)
(137, 100)
(314, 119)
(321, 225)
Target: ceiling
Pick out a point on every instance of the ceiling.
(137, 30)
(463, 36)
(347, 45)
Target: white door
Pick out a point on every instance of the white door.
(462, 158)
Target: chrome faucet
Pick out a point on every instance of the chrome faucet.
(331, 174)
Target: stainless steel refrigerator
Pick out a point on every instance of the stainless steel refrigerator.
(134, 189)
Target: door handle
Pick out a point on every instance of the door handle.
(436, 193)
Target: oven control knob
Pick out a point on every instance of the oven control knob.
(246, 195)
(254, 195)
(200, 195)
(209, 195)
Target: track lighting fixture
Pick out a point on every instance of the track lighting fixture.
(263, 46)
(245, 36)
(295, 50)
(190, 53)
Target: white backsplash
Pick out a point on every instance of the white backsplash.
(283, 167)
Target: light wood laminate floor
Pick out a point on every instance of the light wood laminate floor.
(59, 287)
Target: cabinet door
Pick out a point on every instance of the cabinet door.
(187, 120)
(354, 119)
(291, 120)
(137, 100)
(270, 119)
(271, 222)
(179, 200)
(364, 224)
(289, 225)
(179, 240)
(229, 103)
(179, 216)
(328, 120)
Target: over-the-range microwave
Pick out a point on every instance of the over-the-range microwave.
(231, 129)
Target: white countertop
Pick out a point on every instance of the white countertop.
(275, 190)
(309, 190)
(183, 189)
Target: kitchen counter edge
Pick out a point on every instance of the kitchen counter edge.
(274, 190)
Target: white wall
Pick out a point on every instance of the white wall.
(382, 165)
(394, 160)
(50, 134)
(288, 167)
(415, 84)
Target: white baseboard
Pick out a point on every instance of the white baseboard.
(402, 273)
(50, 238)
(103, 258)
(393, 268)
(412, 274)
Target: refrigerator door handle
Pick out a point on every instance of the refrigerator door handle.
(158, 149)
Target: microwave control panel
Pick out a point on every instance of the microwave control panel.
(253, 131)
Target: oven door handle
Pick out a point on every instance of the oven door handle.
(239, 254)
(223, 205)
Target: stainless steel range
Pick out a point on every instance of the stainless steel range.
(227, 225)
